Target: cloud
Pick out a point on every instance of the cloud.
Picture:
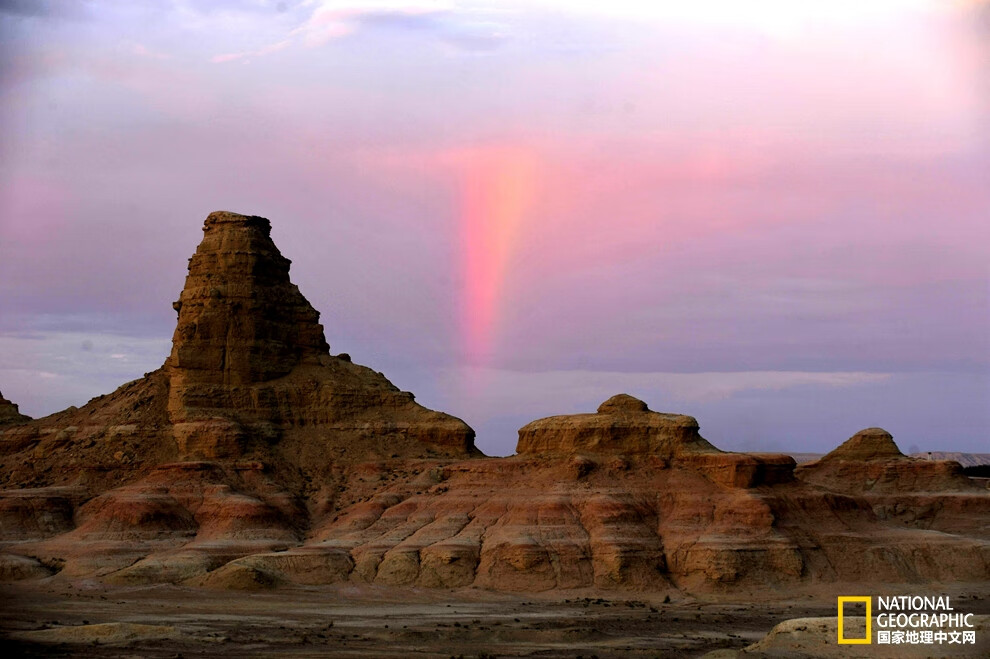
(260, 52)
(333, 19)
(741, 409)
(141, 50)
(70, 9)
(48, 371)
(567, 388)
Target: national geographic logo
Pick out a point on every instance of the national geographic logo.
(907, 620)
(869, 620)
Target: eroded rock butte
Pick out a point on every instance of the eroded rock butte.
(254, 457)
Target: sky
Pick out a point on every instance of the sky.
(771, 215)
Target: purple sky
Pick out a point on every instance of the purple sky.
(774, 216)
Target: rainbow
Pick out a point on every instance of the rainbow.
(496, 193)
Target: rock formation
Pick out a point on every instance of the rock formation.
(626, 426)
(934, 495)
(9, 413)
(250, 376)
(870, 461)
(250, 362)
(622, 425)
(867, 444)
(249, 384)
(253, 457)
(814, 638)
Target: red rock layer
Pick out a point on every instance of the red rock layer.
(521, 523)
(254, 457)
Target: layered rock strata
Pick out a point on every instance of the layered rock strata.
(624, 425)
(870, 462)
(250, 362)
(253, 457)
(933, 495)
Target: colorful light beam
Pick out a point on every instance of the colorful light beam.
(496, 194)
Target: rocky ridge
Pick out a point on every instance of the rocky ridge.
(9, 413)
(254, 457)
(870, 461)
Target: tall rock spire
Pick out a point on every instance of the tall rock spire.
(250, 363)
(241, 320)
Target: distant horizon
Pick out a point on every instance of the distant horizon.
(770, 216)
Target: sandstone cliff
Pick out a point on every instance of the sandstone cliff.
(250, 363)
(250, 377)
(922, 494)
(254, 457)
(625, 426)
(870, 461)
(622, 424)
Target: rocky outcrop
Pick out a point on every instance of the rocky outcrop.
(625, 426)
(109, 441)
(255, 458)
(867, 444)
(250, 377)
(250, 363)
(917, 496)
(870, 462)
(241, 321)
(241, 324)
(9, 413)
(250, 387)
(524, 524)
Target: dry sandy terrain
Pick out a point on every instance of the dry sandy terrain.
(88, 619)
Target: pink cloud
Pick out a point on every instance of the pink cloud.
(333, 19)
(141, 50)
(267, 50)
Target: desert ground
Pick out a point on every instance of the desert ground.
(86, 618)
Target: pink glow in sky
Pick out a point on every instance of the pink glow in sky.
(498, 187)
(770, 214)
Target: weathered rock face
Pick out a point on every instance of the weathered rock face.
(622, 425)
(253, 457)
(867, 444)
(9, 413)
(870, 462)
(250, 363)
(625, 426)
(929, 495)
(249, 377)
(250, 381)
(241, 321)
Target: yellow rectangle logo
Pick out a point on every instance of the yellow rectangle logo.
(869, 621)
